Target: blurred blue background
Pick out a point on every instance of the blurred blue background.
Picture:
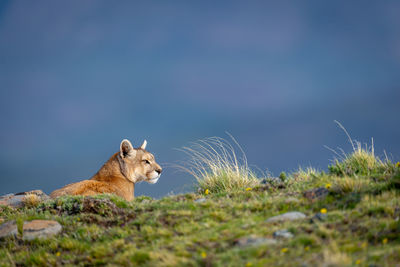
(77, 77)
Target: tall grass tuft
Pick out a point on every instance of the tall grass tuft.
(344, 185)
(303, 174)
(362, 161)
(216, 166)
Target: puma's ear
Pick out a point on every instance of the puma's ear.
(126, 149)
(143, 146)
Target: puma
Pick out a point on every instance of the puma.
(119, 174)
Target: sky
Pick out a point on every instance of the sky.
(77, 77)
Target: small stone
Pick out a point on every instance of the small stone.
(200, 200)
(254, 241)
(40, 229)
(283, 234)
(288, 216)
(8, 229)
(319, 193)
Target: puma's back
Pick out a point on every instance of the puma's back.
(118, 175)
(86, 188)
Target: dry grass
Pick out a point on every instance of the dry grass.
(217, 167)
(343, 185)
(362, 161)
(31, 200)
(332, 256)
(305, 174)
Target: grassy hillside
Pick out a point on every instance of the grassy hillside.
(352, 219)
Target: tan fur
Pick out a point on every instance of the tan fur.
(118, 175)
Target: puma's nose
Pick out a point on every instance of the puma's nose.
(159, 171)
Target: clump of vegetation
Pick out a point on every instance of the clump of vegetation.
(216, 166)
(362, 161)
(68, 205)
(283, 176)
(305, 174)
(31, 200)
(394, 182)
(351, 184)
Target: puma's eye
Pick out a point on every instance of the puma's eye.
(147, 162)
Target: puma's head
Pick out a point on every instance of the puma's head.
(137, 164)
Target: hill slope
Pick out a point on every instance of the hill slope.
(359, 224)
(348, 216)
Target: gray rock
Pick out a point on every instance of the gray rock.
(288, 216)
(200, 200)
(8, 229)
(12, 200)
(18, 200)
(283, 234)
(40, 229)
(255, 241)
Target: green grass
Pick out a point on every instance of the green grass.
(214, 163)
(361, 162)
(361, 228)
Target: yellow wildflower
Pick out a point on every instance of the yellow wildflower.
(249, 264)
(323, 211)
(364, 244)
(327, 186)
(358, 262)
(398, 164)
(384, 241)
(248, 189)
(284, 250)
(58, 253)
(207, 191)
(203, 255)
(307, 248)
